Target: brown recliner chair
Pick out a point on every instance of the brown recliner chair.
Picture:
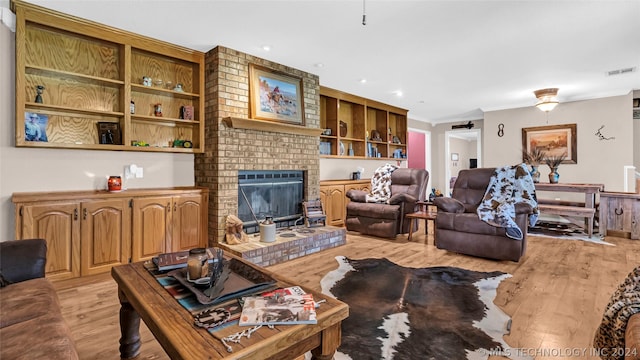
(408, 186)
(459, 229)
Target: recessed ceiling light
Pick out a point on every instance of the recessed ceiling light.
(266, 47)
(398, 93)
(421, 102)
(363, 81)
(318, 65)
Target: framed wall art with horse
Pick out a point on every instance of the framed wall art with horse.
(275, 95)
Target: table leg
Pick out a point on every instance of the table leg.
(330, 342)
(590, 202)
(129, 329)
(411, 221)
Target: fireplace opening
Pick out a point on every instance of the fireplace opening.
(263, 193)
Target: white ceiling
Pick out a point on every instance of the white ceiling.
(452, 60)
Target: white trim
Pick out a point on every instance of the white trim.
(629, 173)
(8, 18)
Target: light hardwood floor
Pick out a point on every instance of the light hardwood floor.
(555, 297)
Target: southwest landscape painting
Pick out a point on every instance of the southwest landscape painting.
(553, 140)
(275, 96)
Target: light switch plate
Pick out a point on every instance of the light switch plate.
(139, 173)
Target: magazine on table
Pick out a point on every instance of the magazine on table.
(278, 308)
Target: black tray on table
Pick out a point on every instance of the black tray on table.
(243, 280)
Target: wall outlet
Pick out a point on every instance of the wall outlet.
(139, 173)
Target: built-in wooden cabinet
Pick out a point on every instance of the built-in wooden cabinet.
(355, 127)
(83, 84)
(88, 232)
(333, 194)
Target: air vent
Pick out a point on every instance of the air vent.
(621, 71)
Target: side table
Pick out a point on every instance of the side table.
(424, 214)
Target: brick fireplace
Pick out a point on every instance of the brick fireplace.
(231, 149)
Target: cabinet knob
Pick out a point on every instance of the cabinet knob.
(75, 214)
(84, 214)
(175, 207)
(619, 211)
(168, 207)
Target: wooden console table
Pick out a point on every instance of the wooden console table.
(587, 210)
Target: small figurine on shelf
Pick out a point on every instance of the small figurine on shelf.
(146, 81)
(157, 110)
(375, 135)
(178, 87)
(39, 91)
(132, 107)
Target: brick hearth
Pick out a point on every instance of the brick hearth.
(288, 248)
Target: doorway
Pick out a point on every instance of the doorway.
(419, 152)
(463, 148)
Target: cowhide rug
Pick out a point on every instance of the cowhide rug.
(397, 312)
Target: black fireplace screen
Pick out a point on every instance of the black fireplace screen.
(278, 194)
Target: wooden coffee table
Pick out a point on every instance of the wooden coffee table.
(142, 297)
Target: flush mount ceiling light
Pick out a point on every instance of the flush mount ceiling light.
(546, 99)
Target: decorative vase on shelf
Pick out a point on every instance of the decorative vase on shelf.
(554, 176)
(535, 174)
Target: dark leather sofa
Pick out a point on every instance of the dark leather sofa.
(459, 229)
(387, 220)
(31, 324)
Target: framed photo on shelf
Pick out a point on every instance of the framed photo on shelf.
(275, 96)
(553, 140)
(109, 133)
(186, 112)
(35, 127)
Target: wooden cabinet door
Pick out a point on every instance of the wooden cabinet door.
(151, 227)
(188, 223)
(58, 224)
(332, 198)
(105, 235)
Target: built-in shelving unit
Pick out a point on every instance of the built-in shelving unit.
(355, 127)
(91, 74)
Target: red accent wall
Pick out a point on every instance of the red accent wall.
(416, 158)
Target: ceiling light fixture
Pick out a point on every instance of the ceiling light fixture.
(546, 99)
(363, 81)
(266, 47)
(364, 14)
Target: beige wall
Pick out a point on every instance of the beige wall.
(33, 169)
(599, 161)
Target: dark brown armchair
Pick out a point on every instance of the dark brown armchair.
(459, 229)
(408, 186)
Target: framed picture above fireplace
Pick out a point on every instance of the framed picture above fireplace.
(275, 96)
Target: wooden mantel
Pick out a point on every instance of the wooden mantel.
(253, 124)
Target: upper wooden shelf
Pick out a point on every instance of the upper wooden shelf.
(253, 124)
